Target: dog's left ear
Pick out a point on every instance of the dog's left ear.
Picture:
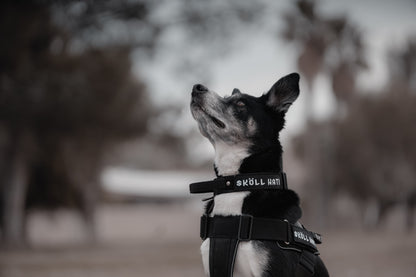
(283, 93)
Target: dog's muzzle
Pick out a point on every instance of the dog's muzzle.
(198, 89)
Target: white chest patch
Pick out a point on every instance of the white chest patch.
(229, 203)
(228, 158)
(250, 261)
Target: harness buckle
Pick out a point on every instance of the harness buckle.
(245, 227)
(284, 177)
(288, 232)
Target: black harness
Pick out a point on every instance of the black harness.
(225, 232)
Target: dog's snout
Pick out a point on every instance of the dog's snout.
(198, 88)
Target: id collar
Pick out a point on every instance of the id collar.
(241, 182)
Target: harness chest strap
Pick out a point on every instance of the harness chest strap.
(225, 233)
(246, 227)
(223, 252)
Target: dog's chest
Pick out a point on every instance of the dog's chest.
(229, 203)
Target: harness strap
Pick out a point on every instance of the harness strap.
(246, 227)
(222, 256)
(306, 265)
(241, 182)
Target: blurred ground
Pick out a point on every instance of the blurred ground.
(162, 240)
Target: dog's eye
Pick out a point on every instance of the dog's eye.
(240, 104)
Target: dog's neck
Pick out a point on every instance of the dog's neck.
(231, 160)
(228, 158)
(266, 160)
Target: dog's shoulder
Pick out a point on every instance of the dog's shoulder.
(282, 204)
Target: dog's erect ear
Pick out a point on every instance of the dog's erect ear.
(236, 91)
(283, 93)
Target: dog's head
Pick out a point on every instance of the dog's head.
(241, 121)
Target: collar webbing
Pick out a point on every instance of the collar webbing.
(241, 182)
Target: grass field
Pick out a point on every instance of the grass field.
(162, 240)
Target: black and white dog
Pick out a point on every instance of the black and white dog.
(244, 131)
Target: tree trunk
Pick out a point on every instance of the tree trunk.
(14, 191)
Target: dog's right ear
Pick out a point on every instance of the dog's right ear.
(283, 93)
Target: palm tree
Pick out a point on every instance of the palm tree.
(331, 46)
(328, 45)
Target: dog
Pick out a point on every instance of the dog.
(244, 131)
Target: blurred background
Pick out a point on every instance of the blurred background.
(97, 144)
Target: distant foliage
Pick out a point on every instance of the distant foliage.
(375, 153)
(327, 44)
(60, 112)
(68, 94)
(367, 149)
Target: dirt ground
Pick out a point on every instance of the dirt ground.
(162, 240)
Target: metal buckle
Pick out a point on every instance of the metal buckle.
(245, 221)
(289, 231)
(284, 180)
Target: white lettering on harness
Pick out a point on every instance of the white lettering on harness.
(304, 237)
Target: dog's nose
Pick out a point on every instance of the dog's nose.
(198, 88)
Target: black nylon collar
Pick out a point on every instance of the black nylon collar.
(241, 182)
